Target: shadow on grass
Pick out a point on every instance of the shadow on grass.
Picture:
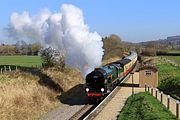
(74, 96)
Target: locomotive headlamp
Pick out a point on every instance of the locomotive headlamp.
(102, 89)
(87, 89)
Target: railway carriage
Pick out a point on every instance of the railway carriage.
(101, 81)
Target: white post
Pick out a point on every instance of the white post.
(5, 68)
(161, 97)
(9, 68)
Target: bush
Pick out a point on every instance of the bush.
(171, 85)
(52, 58)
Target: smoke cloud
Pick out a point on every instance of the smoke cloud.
(65, 31)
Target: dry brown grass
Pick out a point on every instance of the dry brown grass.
(66, 79)
(23, 98)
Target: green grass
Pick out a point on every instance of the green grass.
(143, 106)
(169, 79)
(24, 61)
(174, 52)
(173, 58)
(167, 70)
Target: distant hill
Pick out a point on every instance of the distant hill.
(171, 40)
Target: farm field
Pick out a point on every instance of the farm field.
(143, 106)
(24, 61)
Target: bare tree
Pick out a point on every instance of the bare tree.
(23, 48)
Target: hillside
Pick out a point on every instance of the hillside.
(171, 40)
(28, 94)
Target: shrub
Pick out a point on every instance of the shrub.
(52, 57)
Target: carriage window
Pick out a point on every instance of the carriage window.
(148, 73)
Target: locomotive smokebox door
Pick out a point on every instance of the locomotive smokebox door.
(148, 74)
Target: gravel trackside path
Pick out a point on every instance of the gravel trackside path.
(72, 101)
(65, 112)
(111, 110)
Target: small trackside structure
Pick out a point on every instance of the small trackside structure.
(148, 74)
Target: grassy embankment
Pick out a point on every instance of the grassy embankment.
(169, 79)
(24, 61)
(143, 106)
(31, 94)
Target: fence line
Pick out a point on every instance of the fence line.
(9, 68)
(169, 102)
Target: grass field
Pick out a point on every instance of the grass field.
(174, 52)
(173, 58)
(25, 61)
(143, 106)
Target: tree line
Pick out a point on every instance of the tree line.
(20, 48)
(114, 46)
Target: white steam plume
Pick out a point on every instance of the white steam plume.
(64, 31)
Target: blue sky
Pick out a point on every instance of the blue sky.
(132, 20)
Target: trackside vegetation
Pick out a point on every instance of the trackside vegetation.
(143, 106)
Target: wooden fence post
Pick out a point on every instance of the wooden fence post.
(152, 91)
(177, 109)
(156, 92)
(168, 100)
(148, 88)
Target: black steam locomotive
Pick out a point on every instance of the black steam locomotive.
(101, 81)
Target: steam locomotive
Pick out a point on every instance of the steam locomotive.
(101, 81)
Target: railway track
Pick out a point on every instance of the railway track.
(99, 108)
(83, 112)
(89, 112)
